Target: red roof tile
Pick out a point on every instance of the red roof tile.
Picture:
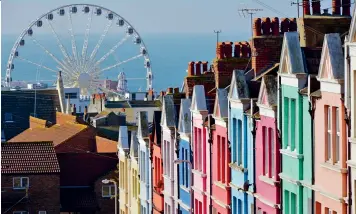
(28, 158)
(104, 145)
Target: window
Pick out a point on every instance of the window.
(108, 190)
(329, 132)
(121, 175)
(71, 95)
(293, 203)
(20, 182)
(8, 117)
(234, 140)
(239, 142)
(286, 202)
(219, 158)
(271, 134)
(292, 124)
(80, 109)
(259, 210)
(265, 153)
(200, 148)
(186, 168)
(338, 136)
(223, 158)
(234, 204)
(42, 212)
(239, 206)
(286, 123)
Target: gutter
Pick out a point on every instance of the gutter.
(210, 141)
(348, 124)
(280, 131)
(253, 132)
(312, 114)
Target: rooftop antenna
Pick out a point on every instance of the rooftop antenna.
(251, 12)
(298, 5)
(217, 36)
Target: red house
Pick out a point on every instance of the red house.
(157, 170)
(221, 156)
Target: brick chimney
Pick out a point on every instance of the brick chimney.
(346, 8)
(316, 7)
(198, 68)
(266, 47)
(205, 66)
(336, 5)
(176, 90)
(306, 7)
(191, 70)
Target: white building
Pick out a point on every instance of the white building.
(76, 99)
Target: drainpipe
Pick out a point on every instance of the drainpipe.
(177, 170)
(312, 114)
(280, 129)
(253, 132)
(210, 140)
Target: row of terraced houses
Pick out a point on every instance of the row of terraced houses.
(268, 127)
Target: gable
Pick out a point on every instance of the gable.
(221, 104)
(168, 112)
(142, 125)
(238, 87)
(332, 58)
(199, 100)
(268, 91)
(134, 144)
(291, 61)
(184, 123)
(352, 32)
(123, 138)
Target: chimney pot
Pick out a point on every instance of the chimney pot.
(176, 90)
(237, 50)
(316, 7)
(220, 50)
(293, 25)
(306, 7)
(275, 26)
(336, 5)
(266, 26)
(256, 27)
(198, 68)
(346, 8)
(190, 69)
(205, 66)
(284, 25)
(228, 49)
(244, 50)
(170, 91)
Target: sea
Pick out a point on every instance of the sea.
(169, 55)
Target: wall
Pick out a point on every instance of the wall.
(106, 205)
(184, 193)
(157, 192)
(44, 193)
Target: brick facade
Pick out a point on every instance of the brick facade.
(43, 193)
(106, 205)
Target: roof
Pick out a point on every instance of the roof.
(332, 58)
(168, 112)
(143, 125)
(272, 70)
(316, 94)
(156, 129)
(221, 106)
(238, 87)
(291, 58)
(133, 104)
(134, 144)
(185, 116)
(28, 158)
(311, 59)
(83, 169)
(199, 99)
(104, 145)
(124, 138)
(103, 114)
(76, 199)
(58, 133)
(268, 91)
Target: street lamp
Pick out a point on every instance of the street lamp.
(177, 161)
(106, 181)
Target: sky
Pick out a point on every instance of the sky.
(157, 16)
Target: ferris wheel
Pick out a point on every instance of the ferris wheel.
(81, 58)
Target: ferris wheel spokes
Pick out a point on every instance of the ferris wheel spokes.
(118, 64)
(36, 64)
(74, 46)
(86, 37)
(112, 50)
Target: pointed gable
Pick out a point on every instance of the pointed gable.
(268, 91)
(184, 124)
(221, 103)
(352, 32)
(291, 57)
(134, 144)
(238, 87)
(123, 138)
(142, 125)
(198, 99)
(168, 112)
(332, 58)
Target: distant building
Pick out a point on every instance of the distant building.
(30, 178)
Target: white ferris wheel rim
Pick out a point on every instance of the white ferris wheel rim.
(82, 77)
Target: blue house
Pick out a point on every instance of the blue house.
(145, 165)
(241, 141)
(184, 130)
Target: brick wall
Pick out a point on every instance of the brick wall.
(43, 194)
(106, 205)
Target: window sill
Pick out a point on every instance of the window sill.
(203, 175)
(19, 188)
(167, 177)
(334, 167)
(221, 185)
(184, 188)
(268, 180)
(237, 167)
(352, 140)
(10, 121)
(290, 153)
(107, 196)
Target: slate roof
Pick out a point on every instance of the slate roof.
(269, 87)
(168, 112)
(77, 199)
(221, 106)
(21, 105)
(199, 99)
(104, 145)
(185, 116)
(124, 138)
(83, 169)
(134, 144)
(332, 49)
(28, 158)
(272, 70)
(133, 104)
(142, 125)
(292, 60)
(103, 114)
(238, 87)
(156, 128)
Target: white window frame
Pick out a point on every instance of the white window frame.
(329, 138)
(338, 136)
(21, 182)
(8, 117)
(111, 194)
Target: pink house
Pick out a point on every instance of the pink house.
(221, 192)
(267, 149)
(201, 158)
(330, 131)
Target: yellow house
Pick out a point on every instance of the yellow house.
(134, 183)
(124, 169)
